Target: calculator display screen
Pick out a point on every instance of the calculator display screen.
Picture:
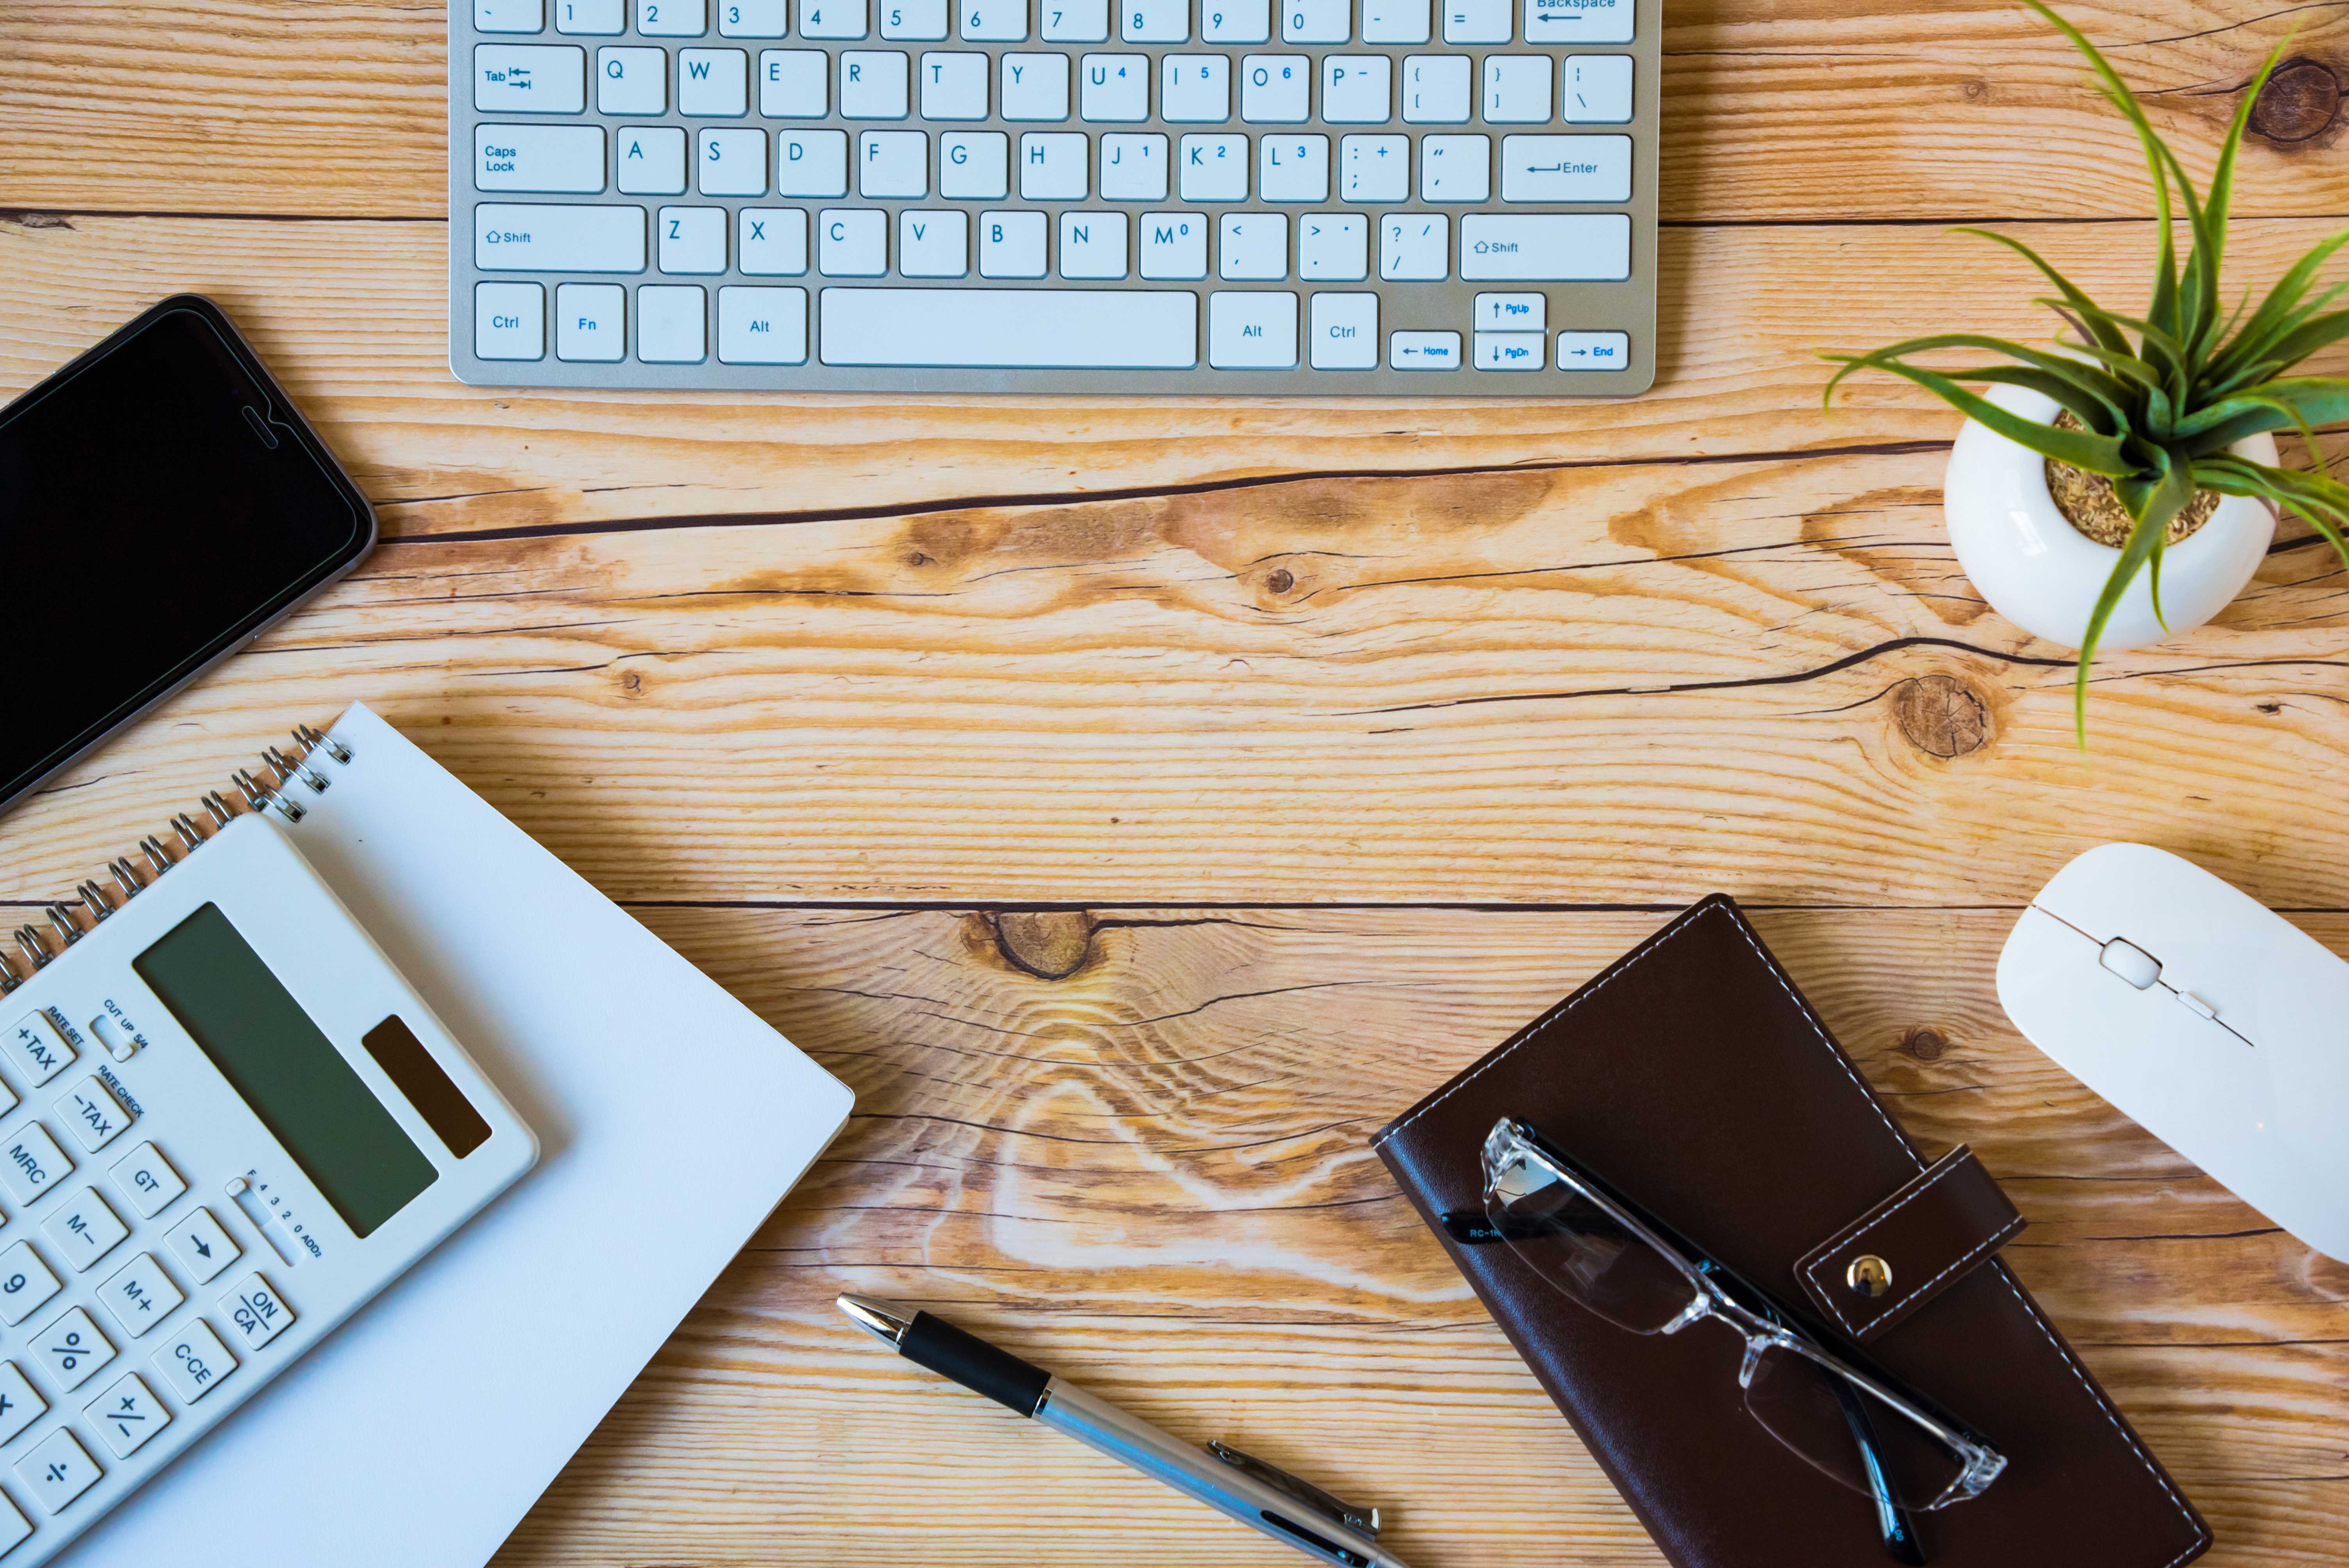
(297, 1083)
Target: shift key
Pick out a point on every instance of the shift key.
(516, 238)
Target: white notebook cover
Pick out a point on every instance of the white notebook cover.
(671, 1120)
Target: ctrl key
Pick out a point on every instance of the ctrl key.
(509, 320)
(194, 1361)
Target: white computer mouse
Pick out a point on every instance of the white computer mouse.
(2207, 1018)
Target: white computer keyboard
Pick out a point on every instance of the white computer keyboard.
(1366, 196)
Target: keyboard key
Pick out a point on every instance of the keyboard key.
(1395, 21)
(1035, 86)
(1273, 88)
(763, 325)
(1345, 332)
(509, 323)
(1316, 20)
(25, 1282)
(1082, 329)
(1215, 168)
(1011, 244)
(543, 239)
(1517, 89)
(975, 166)
(90, 1109)
(127, 1415)
(36, 1046)
(1435, 89)
(794, 84)
(147, 1178)
(1511, 351)
(1133, 167)
(1113, 88)
(894, 164)
(851, 242)
(20, 1405)
(1052, 167)
(1174, 245)
(1375, 168)
(1358, 89)
(1073, 20)
(59, 1470)
(140, 1295)
(561, 158)
(1566, 168)
(933, 244)
(991, 21)
(1476, 21)
(672, 324)
(1593, 351)
(1234, 21)
(692, 240)
(773, 242)
(1545, 246)
(672, 18)
(954, 86)
(13, 1526)
(1293, 168)
(1252, 331)
(1579, 21)
(1598, 90)
(1092, 245)
(831, 18)
(651, 160)
(732, 162)
(1155, 21)
(73, 1349)
(1423, 351)
(713, 83)
(915, 19)
(1456, 168)
(1414, 245)
(1252, 247)
(631, 81)
(530, 79)
(85, 1229)
(752, 18)
(203, 1248)
(509, 15)
(1333, 247)
(194, 1361)
(589, 326)
(1195, 89)
(33, 1162)
(1511, 311)
(606, 17)
(255, 1308)
(812, 163)
(7, 1099)
(873, 84)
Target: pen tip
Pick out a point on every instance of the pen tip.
(885, 1322)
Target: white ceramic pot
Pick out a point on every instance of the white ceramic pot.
(2044, 574)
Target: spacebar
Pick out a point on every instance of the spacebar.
(1010, 329)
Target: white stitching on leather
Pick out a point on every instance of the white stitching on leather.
(1873, 1218)
(1909, 1299)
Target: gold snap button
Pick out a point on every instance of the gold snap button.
(1870, 1275)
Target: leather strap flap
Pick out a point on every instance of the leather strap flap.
(1910, 1247)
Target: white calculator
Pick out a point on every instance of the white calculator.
(228, 1124)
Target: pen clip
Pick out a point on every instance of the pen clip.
(1362, 1521)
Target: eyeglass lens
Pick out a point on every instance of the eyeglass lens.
(1579, 1248)
(1844, 1432)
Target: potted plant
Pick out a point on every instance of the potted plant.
(2122, 485)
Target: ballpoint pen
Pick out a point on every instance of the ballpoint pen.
(1231, 1483)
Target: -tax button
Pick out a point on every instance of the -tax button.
(96, 1117)
(194, 1361)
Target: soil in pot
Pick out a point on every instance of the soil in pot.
(2089, 505)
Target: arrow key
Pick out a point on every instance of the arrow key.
(204, 1249)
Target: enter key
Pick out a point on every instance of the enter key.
(1566, 168)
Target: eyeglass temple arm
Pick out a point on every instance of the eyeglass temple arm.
(1895, 1524)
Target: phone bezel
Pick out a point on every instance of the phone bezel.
(284, 418)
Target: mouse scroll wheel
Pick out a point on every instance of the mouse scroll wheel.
(2131, 963)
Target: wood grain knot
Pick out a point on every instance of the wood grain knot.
(1052, 944)
(2301, 100)
(1940, 715)
(1924, 1043)
(1281, 580)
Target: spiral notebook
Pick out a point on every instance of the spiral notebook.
(671, 1121)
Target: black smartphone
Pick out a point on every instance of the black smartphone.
(162, 503)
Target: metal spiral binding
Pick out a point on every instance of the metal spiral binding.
(265, 789)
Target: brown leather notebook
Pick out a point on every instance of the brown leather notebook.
(1693, 1077)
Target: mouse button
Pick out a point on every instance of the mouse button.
(2131, 963)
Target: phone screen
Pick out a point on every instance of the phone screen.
(160, 502)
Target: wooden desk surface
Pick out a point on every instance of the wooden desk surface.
(1138, 802)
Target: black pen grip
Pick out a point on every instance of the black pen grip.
(935, 1343)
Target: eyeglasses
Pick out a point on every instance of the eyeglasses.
(1600, 1252)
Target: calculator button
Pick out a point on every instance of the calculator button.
(35, 1046)
(96, 1117)
(73, 1349)
(25, 1282)
(20, 1405)
(59, 1470)
(194, 1361)
(148, 1180)
(140, 1295)
(85, 1229)
(31, 1163)
(14, 1527)
(127, 1415)
(259, 1313)
(203, 1248)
